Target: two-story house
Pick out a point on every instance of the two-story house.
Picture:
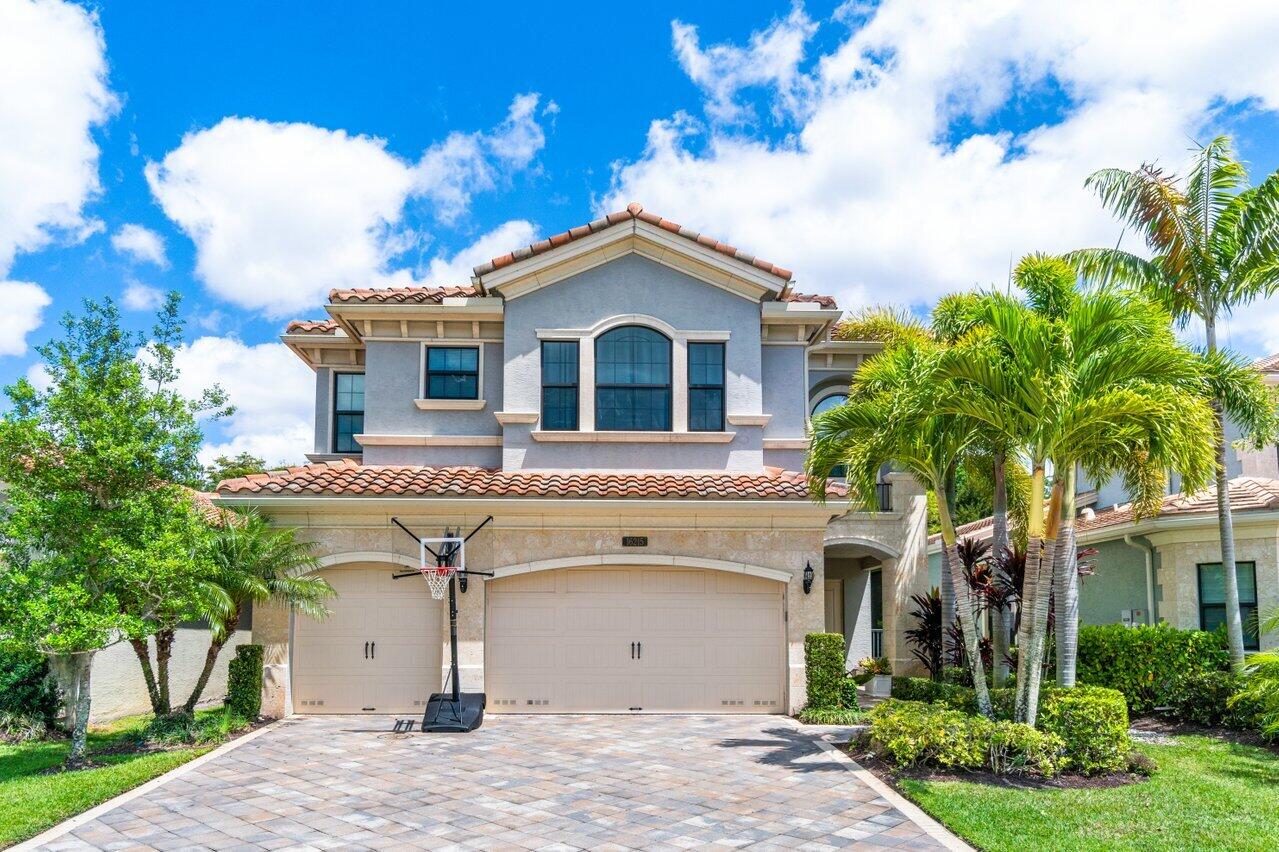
(629, 400)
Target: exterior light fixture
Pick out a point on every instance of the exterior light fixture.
(808, 577)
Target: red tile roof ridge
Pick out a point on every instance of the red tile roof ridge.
(403, 295)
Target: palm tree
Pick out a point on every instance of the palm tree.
(1095, 379)
(892, 417)
(255, 563)
(1214, 245)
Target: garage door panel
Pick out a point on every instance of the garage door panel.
(711, 642)
(329, 694)
(350, 619)
(337, 656)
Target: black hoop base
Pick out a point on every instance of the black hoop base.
(446, 714)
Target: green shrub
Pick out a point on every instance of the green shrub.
(1146, 663)
(824, 664)
(935, 692)
(205, 728)
(244, 682)
(1092, 721)
(26, 690)
(20, 728)
(832, 716)
(913, 733)
(848, 693)
(1204, 699)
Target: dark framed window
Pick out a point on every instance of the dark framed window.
(633, 380)
(348, 411)
(452, 372)
(1212, 599)
(706, 387)
(823, 405)
(559, 384)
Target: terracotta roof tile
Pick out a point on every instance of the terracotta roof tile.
(1247, 493)
(824, 301)
(1269, 364)
(347, 478)
(632, 211)
(402, 295)
(325, 326)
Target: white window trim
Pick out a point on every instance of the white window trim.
(826, 394)
(586, 337)
(332, 412)
(428, 404)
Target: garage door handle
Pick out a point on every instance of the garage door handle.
(632, 650)
(373, 648)
(366, 650)
(639, 649)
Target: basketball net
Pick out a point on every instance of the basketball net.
(438, 576)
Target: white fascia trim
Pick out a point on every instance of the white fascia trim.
(583, 437)
(806, 313)
(450, 404)
(618, 320)
(429, 440)
(643, 559)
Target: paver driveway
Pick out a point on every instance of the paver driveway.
(520, 782)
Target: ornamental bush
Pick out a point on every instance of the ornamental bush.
(1092, 722)
(824, 664)
(935, 692)
(914, 733)
(1204, 699)
(244, 682)
(28, 696)
(1146, 663)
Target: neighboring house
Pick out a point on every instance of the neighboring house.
(629, 400)
(1167, 567)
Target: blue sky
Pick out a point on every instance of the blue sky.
(253, 155)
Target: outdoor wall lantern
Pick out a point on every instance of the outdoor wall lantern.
(808, 577)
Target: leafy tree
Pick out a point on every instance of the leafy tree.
(232, 467)
(98, 531)
(1214, 245)
(254, 563)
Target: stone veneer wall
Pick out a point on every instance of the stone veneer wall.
(784, 543)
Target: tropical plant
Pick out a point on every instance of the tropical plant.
(1214, 245)
(892, 417)
(1095, 379)
(252, 562)
(96, 529)
(924, 638)
(1261, 682)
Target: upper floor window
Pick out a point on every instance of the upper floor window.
(706, 387)
(348, 411)
(452, 372)
(1212, 599)
(633, 380)
(559, 384)
(826, 403)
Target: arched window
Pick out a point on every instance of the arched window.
(826, 403)
(633, 380)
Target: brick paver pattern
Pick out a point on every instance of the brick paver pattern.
(520, 782)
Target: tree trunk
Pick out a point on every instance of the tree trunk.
(1225, 523)
(1066, 599)
(216, 644)
(1029, 596)
(73, 671)
(946, 586)
(1001, 618)
(163, 653)
(1030, 657)
(142, 650)
(968, 630)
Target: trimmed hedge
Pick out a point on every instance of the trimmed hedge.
(913, 733)
(824, 665)
(935, 692)
(244, 682)
(1204, 699)
(1146, 663)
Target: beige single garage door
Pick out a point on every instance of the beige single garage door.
(645, 639)
(379, 652)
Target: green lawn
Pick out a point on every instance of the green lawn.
(30, 801)
(1208, 794)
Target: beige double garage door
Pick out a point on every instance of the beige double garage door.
(574, 640)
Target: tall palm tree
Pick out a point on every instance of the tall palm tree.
(1214, 245)
(255, 563)
(1095, 379)
(891, 417)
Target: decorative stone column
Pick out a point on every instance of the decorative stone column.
(271, 631)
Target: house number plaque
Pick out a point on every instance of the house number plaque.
(634, 541)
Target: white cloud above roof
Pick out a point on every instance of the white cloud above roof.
(140, 244)
(22, 313)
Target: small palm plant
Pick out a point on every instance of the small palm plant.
(251, 562)
(1261, 682)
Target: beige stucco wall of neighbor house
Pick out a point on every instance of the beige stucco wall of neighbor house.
(774, 540)
(117, 688)
(1181, 551)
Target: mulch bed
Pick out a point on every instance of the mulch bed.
(891, 774)
(138, 746)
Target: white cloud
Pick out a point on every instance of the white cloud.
(38, 375)
(24, 305)
(879, 195)
(274, 419)
(53, 91)
(141, 244)
(500, 240)
(140, 297)
(280, 213)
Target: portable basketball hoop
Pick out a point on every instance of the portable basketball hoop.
(452, 711)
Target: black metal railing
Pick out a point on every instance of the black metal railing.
(877, 642)
(884, 496)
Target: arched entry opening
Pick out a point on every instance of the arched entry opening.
(856, 574)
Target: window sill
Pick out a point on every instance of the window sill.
(633, 437)
(449, 404)
(507, 418)
(749, 419)
(785, 443)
